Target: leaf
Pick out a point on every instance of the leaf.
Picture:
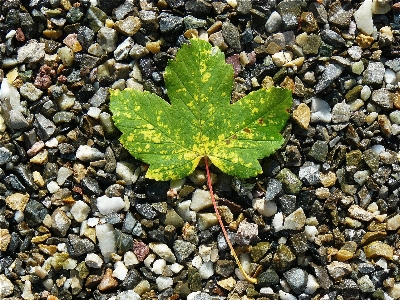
(200, 121)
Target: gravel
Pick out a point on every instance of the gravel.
(78, 218)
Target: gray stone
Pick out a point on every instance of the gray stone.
(35, 213)
(45, 127)
(224, 267)
(332, 38)
(383, 98)
(32, 52)
(30, 92)
(312, 44)
(274, 188)
(99, 97)
(198, 8)
(268, 278)
(123, 241)
(107, 38)
(287, 204)
(297, 279)
(124, 9)
(78, 246)
(243, 7)
(231, 36)
(331, 72)
(63, 117)
(319, 151)
(393, 64)
(340, 15)
(170, 23)
(60, 222)
(291, 184)
(183, 250)
(341, 113)
(5, 155)
(309, 173)
(319, 12)
(274, 22)
(290, 12)
(374, 73)
(192, 22)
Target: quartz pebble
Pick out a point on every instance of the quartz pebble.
(107, 205)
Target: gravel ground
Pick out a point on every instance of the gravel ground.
(78, 219)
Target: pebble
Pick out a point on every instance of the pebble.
(331, 72)
(201, 200)
(107, 205)
(274, 22)
(163, 251)
(295, 221)
(120, 270)
(374, 74)
(17, 201)
(297, 279)
(383, 98)
(6, 286)
(106, 240)
(128, 26)
(80, 211)
(302, 115)
(363, 17)
(107, 282)
(341, 112)
(206, 220)
(93, 260)
(320, 111)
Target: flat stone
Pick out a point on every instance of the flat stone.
(379, 249)
(331, 72)
(297, 279)
(374, 73)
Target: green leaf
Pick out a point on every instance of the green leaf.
(200, 121)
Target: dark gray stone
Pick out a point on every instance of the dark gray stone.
(45, 127)
(35, 213)
(183, 249)
(231, 36)
(332, 72)
(268, 278)
(78, 246)
(170, 23)
(274, 188)
(332, 38)
(297, 279)
(5, 155)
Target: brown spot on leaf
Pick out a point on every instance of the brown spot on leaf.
(246, 130)
(261, 121)
(234, 137)
(227, 141)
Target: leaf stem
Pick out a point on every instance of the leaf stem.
(246, 276)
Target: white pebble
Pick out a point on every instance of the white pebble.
(205, 253)
(120, 270)
(52, 143)
(149, 259)
(274, 22)
(6, 286)
(361, 176)
(163, 251)
(281, 58)
(92, 222)
(363, 17)
(206, 270)
(312, 285)
(92, 260)
(127, 172)
(127, 295)
(106, 237)
(286, 296)
(377, 148)
(183, 210)
(296, 220)
(70, 264)
(86, 153)
(164, 282)
(176, 268)
(196, 262)
(94, 112)
(80, 210)
(201, 199)
(53, 187)
(266, 208)
(365, 92)
(311, 232)
(130, 259)
(19, 216)
(277, 222)
(158, 266)
(390, 76)
(107, 205)
(27, 291)
(395, 116)
(320, 111)
(63, 174)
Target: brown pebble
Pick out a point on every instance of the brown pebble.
(141, 250)
(302, 115)
(107, 282)
(19, 35)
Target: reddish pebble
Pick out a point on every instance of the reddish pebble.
(19, 35)
(141, 250)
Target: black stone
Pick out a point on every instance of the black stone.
(157, 192)
(131, 280)
(85, 37)
(268, 278)
(170, 23)
(78, 246)
(12, 182)
(91, 186)
(35, 213)
(146, 210)
(198, 8)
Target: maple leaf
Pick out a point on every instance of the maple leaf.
(200, 121)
